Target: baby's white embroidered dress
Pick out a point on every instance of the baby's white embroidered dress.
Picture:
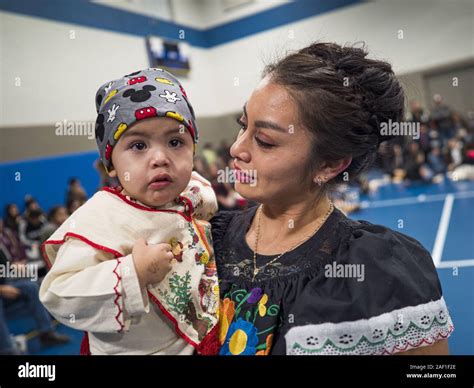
(92, 284)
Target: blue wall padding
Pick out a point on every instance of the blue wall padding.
(46, 179)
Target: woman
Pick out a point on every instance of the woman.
(297, 276)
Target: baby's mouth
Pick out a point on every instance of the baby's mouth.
(160, 181)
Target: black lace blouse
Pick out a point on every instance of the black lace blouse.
(352, 288)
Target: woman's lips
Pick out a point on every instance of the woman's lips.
(244, 176)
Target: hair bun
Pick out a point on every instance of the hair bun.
(376, 124)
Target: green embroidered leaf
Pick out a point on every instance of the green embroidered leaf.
(273, 310)
(261, 347)
(179, 294)
(248, 314)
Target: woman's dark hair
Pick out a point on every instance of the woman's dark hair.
(10, 221)
(8, 208)
(342, 97)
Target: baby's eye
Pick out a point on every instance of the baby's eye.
(139, 146)
(176, 143)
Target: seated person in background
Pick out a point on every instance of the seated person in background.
(12, 217)
(73, 205)
(75, 191)
(30, 205)
(57, 215)
(436, 161)
(31, 230)
(16, 291)
(466, 170)
(9, 239)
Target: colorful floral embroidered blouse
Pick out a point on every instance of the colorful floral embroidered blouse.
(353, 288)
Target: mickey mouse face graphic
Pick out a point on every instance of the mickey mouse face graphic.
(140, 95)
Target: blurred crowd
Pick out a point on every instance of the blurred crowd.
(443, 149)
(21, 236)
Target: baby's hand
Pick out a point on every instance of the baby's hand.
(152, 262)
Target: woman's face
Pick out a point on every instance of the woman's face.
(273, 146)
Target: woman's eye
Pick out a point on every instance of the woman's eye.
(138, 146)
(176, 143)
(263, 144)
(242, 125)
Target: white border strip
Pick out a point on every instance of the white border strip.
(456, 263)
(443, 226)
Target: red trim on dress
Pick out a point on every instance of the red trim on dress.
(80, 237)
(116, 191)
(118, 296)
(423, 341)
(189, 205)
(210, 343)
(85, 346)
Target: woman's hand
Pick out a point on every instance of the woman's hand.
(152, 262)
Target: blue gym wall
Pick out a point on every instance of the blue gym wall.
(46, 178)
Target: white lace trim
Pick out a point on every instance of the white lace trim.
(397, 331)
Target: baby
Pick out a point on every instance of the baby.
(147, 239)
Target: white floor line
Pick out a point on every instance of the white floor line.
(414, 200)
(442, 229)
(456, 263)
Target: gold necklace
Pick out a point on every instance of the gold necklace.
(256, 270)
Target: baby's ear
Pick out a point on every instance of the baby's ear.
(112, 172)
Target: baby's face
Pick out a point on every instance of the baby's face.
(153, 160)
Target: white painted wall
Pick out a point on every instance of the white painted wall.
(435, 33)
(59, 75)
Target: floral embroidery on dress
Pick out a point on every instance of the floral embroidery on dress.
(176, 248)
(247, 321)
